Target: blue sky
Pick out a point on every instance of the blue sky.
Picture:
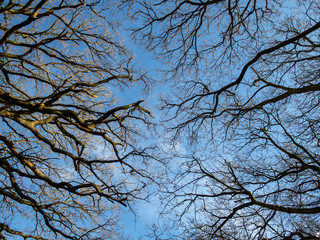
(144, 213)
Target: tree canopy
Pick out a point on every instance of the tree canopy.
(241, 113)
(66, 146)
(246, 108)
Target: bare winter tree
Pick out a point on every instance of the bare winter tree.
(247, 99)
(66, 147)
